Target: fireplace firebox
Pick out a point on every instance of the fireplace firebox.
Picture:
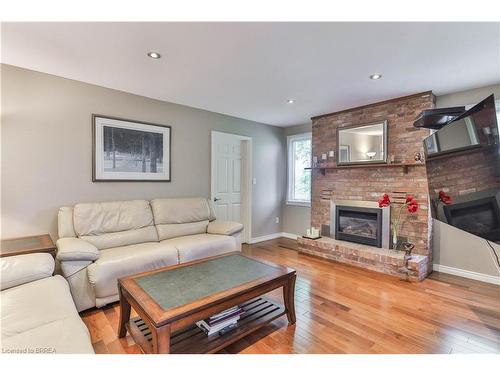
(360, 222)
(479, 216)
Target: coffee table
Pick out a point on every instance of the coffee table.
(170, 300)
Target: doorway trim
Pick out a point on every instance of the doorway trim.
(246, 175)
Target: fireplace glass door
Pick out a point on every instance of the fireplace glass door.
(361, 225)
(480, 217)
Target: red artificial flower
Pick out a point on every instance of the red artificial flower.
(409, 198)
(445, 198)
(412, 206)
(384, 201)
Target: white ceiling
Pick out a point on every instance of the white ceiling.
(249, 70)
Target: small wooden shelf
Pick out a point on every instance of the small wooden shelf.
(258, 313)
(405, 166)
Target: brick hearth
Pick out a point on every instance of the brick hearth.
(371, 182)
(381, 260)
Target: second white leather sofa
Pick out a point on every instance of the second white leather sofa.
(37, 313)
(101, 242)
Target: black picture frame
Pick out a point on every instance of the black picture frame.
(127, 130)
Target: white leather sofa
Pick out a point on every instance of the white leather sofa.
(37, 313)
(101, 242)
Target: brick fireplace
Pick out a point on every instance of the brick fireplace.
(367, 183)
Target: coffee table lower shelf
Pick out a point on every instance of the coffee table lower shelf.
(258, 312)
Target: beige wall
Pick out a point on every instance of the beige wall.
(453, 247)
(468, 96)
(295, 218)
(458, 249)
(46, 151)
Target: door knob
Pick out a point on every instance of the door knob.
(216, 199)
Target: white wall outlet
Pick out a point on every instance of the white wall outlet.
(323, 156)
(331, 153)
(315, 159)
(254, 181)
(277, 220)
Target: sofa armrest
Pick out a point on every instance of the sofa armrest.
(224, 227)
(22, 269)
(76, 249)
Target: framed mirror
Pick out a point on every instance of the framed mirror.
(362, 144)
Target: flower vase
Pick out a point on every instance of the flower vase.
(394, 241)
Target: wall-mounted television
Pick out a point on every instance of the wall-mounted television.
(463, 171)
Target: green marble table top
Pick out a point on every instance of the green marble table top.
(20, 244)
(180, 286)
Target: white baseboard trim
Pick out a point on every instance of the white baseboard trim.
(292, 236)
(267, 237)
(273, 236)
(467, 274)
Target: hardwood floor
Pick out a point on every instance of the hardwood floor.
(343, 309)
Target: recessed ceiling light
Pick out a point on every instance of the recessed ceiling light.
(376, 76)
(290, 101)
(154, 55)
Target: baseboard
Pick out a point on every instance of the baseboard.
(289, 235)
(467, 274)
(267, 237)
(273, 236)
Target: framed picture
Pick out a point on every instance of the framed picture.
(127, 150)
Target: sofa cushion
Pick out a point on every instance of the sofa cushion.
(128, 237)
(125, 261)
(22, 269)
(91, 219)
(166, 231)
(65, 336)
(201, 246)
(42, 314)
(180, 210)
(224, 227)
(65, 226)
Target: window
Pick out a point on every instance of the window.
(299, 179)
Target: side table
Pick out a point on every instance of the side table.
(26, 245)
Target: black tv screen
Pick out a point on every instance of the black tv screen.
(463, 171)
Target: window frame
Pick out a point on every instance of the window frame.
(291, 169)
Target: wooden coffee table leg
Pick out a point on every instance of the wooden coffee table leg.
(161, 340)
(124, 313)
(289, 298)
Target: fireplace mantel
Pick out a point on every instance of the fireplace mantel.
(405, 166)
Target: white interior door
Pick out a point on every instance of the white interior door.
(229, 177)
